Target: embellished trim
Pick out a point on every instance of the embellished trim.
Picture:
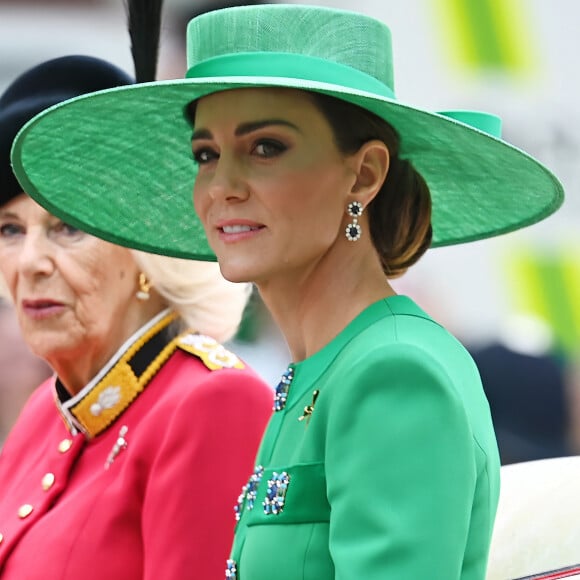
(114, 392)
(231, 570)
(249, 492)
(281, 392)
(276, 494)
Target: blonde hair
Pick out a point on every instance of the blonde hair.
(204, 299)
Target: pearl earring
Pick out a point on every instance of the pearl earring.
(144, 287)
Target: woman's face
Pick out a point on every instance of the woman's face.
(272, 186)
(73, 293)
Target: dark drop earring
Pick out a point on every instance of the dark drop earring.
(353, 230)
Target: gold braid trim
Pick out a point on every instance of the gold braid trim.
(115, 392)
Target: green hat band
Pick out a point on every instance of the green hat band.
(289, 65)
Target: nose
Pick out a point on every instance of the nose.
(36, 257)
(228, 181)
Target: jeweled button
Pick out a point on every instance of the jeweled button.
(25, 510)
(231, 570)
(65, 445)
(48, 481)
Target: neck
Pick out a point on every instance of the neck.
(312, 307)
(77, 367)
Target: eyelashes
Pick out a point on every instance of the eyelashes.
(9, 230)
(12, 230)
(203, 155)
(269, 148)
(262, 148)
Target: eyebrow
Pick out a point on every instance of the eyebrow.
(245, 128)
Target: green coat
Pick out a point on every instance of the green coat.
(393, 475)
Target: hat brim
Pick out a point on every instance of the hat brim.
(12, 119)
(118, 164)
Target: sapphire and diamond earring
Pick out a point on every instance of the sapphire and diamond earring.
(353, 230)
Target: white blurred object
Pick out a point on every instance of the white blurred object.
(527, 334)
(537, 527)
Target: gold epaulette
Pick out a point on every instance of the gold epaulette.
(213, 354)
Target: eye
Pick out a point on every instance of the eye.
(204, 155)
(269, 148)
(9, 230)
(66, 230)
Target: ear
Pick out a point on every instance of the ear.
(370, 165)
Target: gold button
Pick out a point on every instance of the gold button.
(48, 481)
(65, 445)
(25, 510)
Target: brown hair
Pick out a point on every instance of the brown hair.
(400, 213)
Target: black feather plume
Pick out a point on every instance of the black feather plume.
(144, 24)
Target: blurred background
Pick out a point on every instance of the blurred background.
(515, 300)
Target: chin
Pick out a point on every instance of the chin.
(236, 273)
(50, 346)
(237, 277)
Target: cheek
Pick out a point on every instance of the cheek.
(8, 275)
(102, 276)
(6, 270)
(103, 296)
(319, 195)
(88, 289)
(201, 203)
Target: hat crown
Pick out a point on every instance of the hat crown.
(346, 38)
(62, 78)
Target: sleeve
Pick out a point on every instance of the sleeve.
(206, 456)
(400, 471)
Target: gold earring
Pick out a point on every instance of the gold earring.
(144, 287)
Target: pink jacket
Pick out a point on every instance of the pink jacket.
(151, 497)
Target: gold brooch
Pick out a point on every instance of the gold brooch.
(309, 409)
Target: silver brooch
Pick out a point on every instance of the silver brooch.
(120, 444)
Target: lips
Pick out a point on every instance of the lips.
(238, 230)
(41, 308)
(40, 303)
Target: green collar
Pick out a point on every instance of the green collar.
(308, 371)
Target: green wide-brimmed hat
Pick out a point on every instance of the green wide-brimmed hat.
(118, 163)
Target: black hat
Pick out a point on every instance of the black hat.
(40, 87)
